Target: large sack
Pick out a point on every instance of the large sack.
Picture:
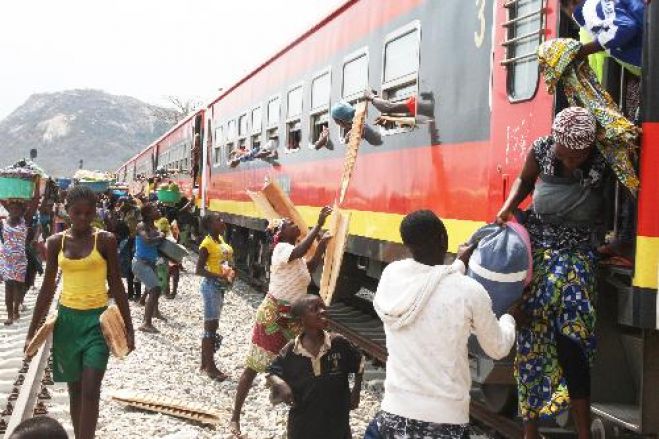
(502, 262)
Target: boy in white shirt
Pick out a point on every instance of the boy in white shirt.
(429, 311)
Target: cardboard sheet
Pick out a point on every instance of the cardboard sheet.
(352, 149)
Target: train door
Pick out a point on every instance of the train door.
(521, 108)
(196, 157)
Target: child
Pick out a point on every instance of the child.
(144, 264)
(88, 261)
(39, 427)
(311, 375)
(13, 259)
(162, 265)
(212, 265)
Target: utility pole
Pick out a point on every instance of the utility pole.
(80, 164)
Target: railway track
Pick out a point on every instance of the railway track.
(26, 386)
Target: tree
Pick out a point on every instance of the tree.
(183, 106)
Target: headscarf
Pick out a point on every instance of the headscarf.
(343, 111)
(574, 128)
(616, 136)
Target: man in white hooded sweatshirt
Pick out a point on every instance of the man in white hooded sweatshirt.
(429, 311)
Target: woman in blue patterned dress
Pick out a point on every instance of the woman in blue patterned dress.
(554, 352)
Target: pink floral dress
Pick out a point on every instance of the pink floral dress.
(13, 262)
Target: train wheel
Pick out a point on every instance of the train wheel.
(602, 429)
(500, 398)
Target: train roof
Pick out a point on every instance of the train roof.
(338, 11)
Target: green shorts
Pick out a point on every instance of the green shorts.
(78, 343)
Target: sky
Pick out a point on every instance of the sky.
(148, 49)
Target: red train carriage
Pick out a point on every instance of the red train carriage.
(473, 70)
(174, 152)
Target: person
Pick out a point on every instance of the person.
(185, 220)
(616, 26)
(407, 106)
(39, 427)
(45, 210)
(428, 378)
(90, 272)
(554, 351)
(343, 113)
(164, 226)
(290, 275)
(195, 156)
(144, 264)
(13, 258)
(59, 213)
(269, 150)
(213, 265)
(129, 214)
(311, 372)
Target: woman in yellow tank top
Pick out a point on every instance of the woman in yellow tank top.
(90, 275)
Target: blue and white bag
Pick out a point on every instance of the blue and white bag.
(502, 262)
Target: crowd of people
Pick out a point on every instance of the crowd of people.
(96, 241)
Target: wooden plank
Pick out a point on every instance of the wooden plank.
(339, 226)
(285, 208)
(352, 149)
(262, 203)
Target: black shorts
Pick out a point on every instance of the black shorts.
(575, 365)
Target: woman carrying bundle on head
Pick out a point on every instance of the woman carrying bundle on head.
(290, 276)
(90, 273)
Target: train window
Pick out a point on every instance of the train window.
(525, 32)
(401, 63)
(294, 103)
(320, 91)
(219, 138)
(293, 122)
(355, 76)
(294, 135)
(320, 99)
(273, 112)
(256, 120)
(256, 141)
(231, 130)
(242, 126)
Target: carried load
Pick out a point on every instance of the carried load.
(169, 193)
(97, 181)
(20, 181)
(119, 189)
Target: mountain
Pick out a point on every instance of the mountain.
(65, 127)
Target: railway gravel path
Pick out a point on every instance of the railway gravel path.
(166, 364)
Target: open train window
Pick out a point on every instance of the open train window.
(320, 100)
(525, 26)
(242, 126)
(293, 119)
(355, 75)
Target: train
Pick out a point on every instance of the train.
(472, 69)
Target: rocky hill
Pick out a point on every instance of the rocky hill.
(65, 127)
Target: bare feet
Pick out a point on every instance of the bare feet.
(158, 315)
(9, 321)
(148, 328)
(215, 374)
(234, 427)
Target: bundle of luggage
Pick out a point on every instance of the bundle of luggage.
(20, 180)
(96, 181)
(169, 193)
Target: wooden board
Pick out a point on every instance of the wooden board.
(169, 406)
(352, 149)
(285, 208)
(339, 226)
(263, 205)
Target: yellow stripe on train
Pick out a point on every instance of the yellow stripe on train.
(646, 272)
(375, 225)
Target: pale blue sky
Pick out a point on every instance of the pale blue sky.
(142, 48)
